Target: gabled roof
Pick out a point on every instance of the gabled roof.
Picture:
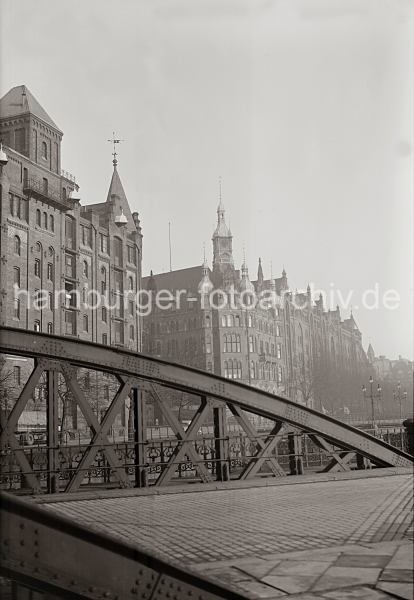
(20, 101)
(115, 187)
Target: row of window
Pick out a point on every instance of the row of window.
(233, 369)
(267, 371)
(18, 207)
(45, 221)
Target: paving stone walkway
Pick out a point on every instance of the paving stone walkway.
(329, 539)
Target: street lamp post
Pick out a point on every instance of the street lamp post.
(400, 396)
(372, 396)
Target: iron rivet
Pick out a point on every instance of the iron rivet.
(21, 542)
(36, 543)
(36, 554)
(73, 582)
(21, 525)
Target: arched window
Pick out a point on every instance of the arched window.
(50, 327)
(208, 322)
(52, 223)
(36, 325)
(16, 277)
(131, 332)
(239, 369)
(237, 321)
(249, 320)
(44, 150)
(238, 344)
(85, 268)
(226, 369)
(17, 245)
(85, 323)
(233, 342)
(38, 247)
(103, 281)
(130, 283)
(118, 252)
(51, 251)
(252, 370)
(279, 375)
(229, 320)
(38, 218)
(45, 220)
(223, 320)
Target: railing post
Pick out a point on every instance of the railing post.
(295, 454)
(52, 431)
(220, 443)
(140, 437)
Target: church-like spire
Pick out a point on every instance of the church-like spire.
(260, 272)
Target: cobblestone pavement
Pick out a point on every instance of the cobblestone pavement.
(349, 537)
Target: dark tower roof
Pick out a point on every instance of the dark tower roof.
(20, 101)
(115, 187)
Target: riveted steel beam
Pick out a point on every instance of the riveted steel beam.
(37, 550)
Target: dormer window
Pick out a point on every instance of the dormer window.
(44, 150)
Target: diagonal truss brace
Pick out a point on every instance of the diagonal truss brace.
(8, 427)
(100, 430)
(340, 458)
(185, 446)
(265, 447)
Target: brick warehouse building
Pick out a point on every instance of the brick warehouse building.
(56, 249)
(292, 347)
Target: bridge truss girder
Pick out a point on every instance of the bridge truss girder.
(139, 376)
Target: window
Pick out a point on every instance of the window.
(252, 370)
(132, 255)
(85, 268)
(279, 375)
(208, 321)
(44, 150)
(37, 267)
(251, 348)
(104, 243)
(16, 277)
(50, 271)
(131, 332)
(52, 223)
(64, 193)
(249, 320)
(130, 283)
(17, 372)
(119, 334)
(237, 321)
(45, 220)
(45, 186)
(86, 235)
(38, 218)
(277, 330)
(50, 327)
(85, 323)
(50, 303)
(17, 245)
(229, 320)
(70, 322)
(16, 308)
(69, 232)
(208, 347)
(51, 251)
(104, 315)
(69, 265)
(118, 281)
(223, 320)
(279, 350)
(36, 326)
(105, 338)
(118, 252)
(131, 307)
(70, 294)
(103, 281)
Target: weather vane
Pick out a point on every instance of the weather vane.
(114, 141)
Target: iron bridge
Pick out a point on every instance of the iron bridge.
(35, 545)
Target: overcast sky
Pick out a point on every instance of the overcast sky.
(305, 108)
